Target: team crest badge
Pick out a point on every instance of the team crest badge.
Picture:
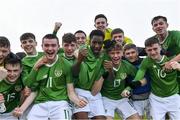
(165, 46)
(123, 76)
(58, 73)
(18, 88)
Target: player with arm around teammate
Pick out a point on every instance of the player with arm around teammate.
(164, 96)
(114, 90)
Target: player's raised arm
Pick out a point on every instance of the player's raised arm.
(81, 56)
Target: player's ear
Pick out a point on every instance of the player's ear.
(107, 24)
(167, 25)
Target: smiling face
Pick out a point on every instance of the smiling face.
(118, 37)
(29, 46)
(101, 24)
(69, 48)
(115, 55)
(96, 44)
(50, 48)
(131, 54)
(160, 26)
(13, 72)
(80, 38)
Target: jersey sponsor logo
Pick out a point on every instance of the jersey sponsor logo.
(58, 73)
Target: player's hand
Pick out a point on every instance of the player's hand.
(82, 102)
(83, 53)
(26, 91)
(3, 73)
(1, 98)
(18, 112)
(167, 66)
(125, 93)
(175, 65)
(108, 65)
(57, 26)
(42, 61)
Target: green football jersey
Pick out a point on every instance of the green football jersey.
(51, 81)
(113, 89)
(11, 93)
(71, 62)
(90, 70)
(163, 84)
(172, 43)
(28, 62)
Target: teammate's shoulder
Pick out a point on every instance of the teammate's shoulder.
(109, 30)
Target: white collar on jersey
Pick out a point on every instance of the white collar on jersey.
(164, 38)
(32, 55)
(50, 65)
(161, 59)
(116, 69)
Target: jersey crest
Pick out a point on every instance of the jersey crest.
(58, 73)
(123, 76)
(18, 88)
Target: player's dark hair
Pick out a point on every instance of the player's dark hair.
(26, 36)
(50, 36)
(96, 33)
(130, 46)
(116, 31)
(150, 41)
(80, 31)
(100, 16)
(111, 45)
(4, 42)
(68, 38)
(157, 18)
(12, 59)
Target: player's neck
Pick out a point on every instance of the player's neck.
(116, 66)
(162, 37)
(159, 59)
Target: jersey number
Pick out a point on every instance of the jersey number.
(49, 82)
(161, 73)
(117, 82)
(10, 97)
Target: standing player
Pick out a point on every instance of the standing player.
(101, 23)
(52, 80)
(169, 40)
(11, 87)
(28, 44)
(164, 87)
(140, 94)
(113, 89)
(87, 70)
